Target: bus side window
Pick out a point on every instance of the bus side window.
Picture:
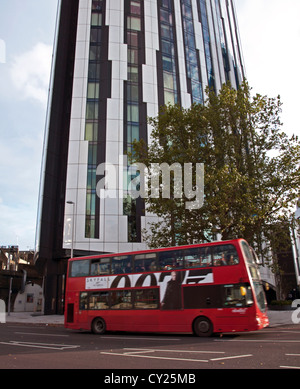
(198, 257)
(171, 259)
(192, 258)
(205, 256)
(99, 300)
(100, 266)
(121, 264)
(121, 299)
(83, 302)
(225, 255)
(80, 268)
(145, 262)
(146, 299)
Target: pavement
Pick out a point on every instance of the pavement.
(277, 318)
(34, 318)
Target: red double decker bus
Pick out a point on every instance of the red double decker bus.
(205, 289)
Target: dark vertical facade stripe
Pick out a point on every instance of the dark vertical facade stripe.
(140, 203)
(161, 7)
(92, 229)
(223, 42)
(50, 239)
(192, 59)
(233, 46)
(134, 208)
(203, 18)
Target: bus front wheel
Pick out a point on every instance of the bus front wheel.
(98, 326)
(202, 326)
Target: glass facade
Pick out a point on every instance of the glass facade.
(134, 38)
(168, 52)
(92, 114)
(191, 54)
(207, 44)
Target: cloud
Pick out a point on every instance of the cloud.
(30, 73)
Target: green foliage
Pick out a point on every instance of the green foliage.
(252, 171)
(281, 302)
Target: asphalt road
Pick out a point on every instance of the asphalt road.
(53, 347)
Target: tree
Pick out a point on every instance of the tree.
(252, 172)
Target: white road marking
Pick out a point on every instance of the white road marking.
(178, 351)
(233, 357)
(48, 346)
(139, 352)
(40, 334)
(257, 340)
(153, 357)
(134, 351)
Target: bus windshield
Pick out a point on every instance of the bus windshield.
(260, 295)
(255, 275)
(248, 253)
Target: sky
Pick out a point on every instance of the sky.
(270, 38)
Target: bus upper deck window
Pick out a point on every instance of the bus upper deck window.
(145, 262)
(80, 268)
(100, 266)
(121, 264)
(225, 255)
(198, 257)
(172, 259)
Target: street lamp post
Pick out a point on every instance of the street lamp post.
(73, 227)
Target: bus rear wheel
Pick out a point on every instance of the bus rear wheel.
(98, 326)
(202, 326)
